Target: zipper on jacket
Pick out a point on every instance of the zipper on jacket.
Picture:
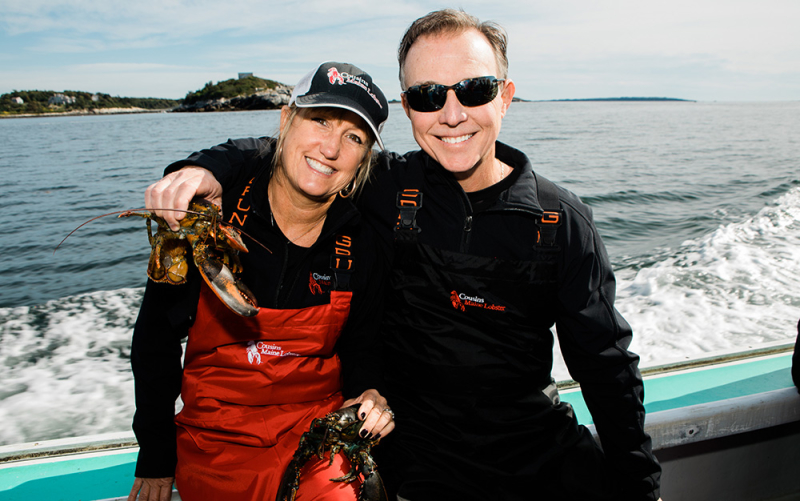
(467, 233)
(283, 274)
(466, 230)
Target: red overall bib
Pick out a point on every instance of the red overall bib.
(251, 387)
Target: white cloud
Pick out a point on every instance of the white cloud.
(125, 20)
(736, 47)
(127, 80)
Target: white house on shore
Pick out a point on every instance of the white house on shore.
(17, 100)
(61, 99)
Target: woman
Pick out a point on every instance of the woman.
(251, 386)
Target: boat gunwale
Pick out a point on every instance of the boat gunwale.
(120, 441)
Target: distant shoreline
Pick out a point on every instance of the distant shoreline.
(80, 113)
(624, 99)
(125, 111)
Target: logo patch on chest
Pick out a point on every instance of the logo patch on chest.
(463, 301)
(319, 283)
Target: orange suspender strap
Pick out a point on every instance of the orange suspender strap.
(409, 201)
(548, 224)
(342, 262)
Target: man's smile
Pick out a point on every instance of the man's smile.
(456, 140)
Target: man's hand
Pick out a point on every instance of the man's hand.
(177, 189)
(152, 489)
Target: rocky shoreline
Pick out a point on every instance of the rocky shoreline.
(79, 113)
(271, 99)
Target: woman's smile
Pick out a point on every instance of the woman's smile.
(319, 167)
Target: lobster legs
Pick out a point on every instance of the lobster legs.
(213, 247)
(334, 433)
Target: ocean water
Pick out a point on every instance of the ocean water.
(698, 205)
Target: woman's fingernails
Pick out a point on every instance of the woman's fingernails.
(376, 437)
(363, 433)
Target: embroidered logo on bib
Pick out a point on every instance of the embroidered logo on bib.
(319, 283)
(257, 348)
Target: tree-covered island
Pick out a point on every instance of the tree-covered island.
(244, 93)
(36, 102)
(236, 94)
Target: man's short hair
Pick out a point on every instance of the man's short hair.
(452, 21)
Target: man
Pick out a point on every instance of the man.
(487, 257)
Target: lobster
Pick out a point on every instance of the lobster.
(337, 431)
(213, 245)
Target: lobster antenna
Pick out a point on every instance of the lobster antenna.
(117, 212)
(130, 211)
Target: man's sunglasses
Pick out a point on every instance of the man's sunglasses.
(470, 92)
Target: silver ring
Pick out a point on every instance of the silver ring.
(390, 411)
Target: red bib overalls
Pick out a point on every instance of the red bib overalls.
(251, 387)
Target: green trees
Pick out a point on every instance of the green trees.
(48, 101)
(44, 101)
(229, 88)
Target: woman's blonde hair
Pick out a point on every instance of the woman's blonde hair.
(363, 170)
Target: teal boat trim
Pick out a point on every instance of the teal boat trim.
(718, 426)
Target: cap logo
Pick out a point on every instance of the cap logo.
(341, 78)
(335, 77)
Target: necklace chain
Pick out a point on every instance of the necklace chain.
(292, 241)
(307, 231)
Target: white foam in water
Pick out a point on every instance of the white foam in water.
(733, 290)
(65, 367)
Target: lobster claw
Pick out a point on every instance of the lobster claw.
(168, 262)
(372, 489)
(287, 491)
(230, 290)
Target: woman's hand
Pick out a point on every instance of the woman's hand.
(152, 489)
(374, 411)
(177, 189)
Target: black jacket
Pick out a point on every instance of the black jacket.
(796, 359)
(501, 222)
(280, 279)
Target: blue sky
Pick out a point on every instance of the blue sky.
(708, 50)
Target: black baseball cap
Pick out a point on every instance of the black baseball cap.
(342, 85)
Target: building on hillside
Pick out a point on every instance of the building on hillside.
(244, 75)
(17, 100)
(61, 99)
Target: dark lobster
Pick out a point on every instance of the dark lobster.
(337, 431)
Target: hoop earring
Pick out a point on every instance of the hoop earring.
(349, 189)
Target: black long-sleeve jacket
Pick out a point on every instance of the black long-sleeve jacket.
(593, 336)
(281, 279)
